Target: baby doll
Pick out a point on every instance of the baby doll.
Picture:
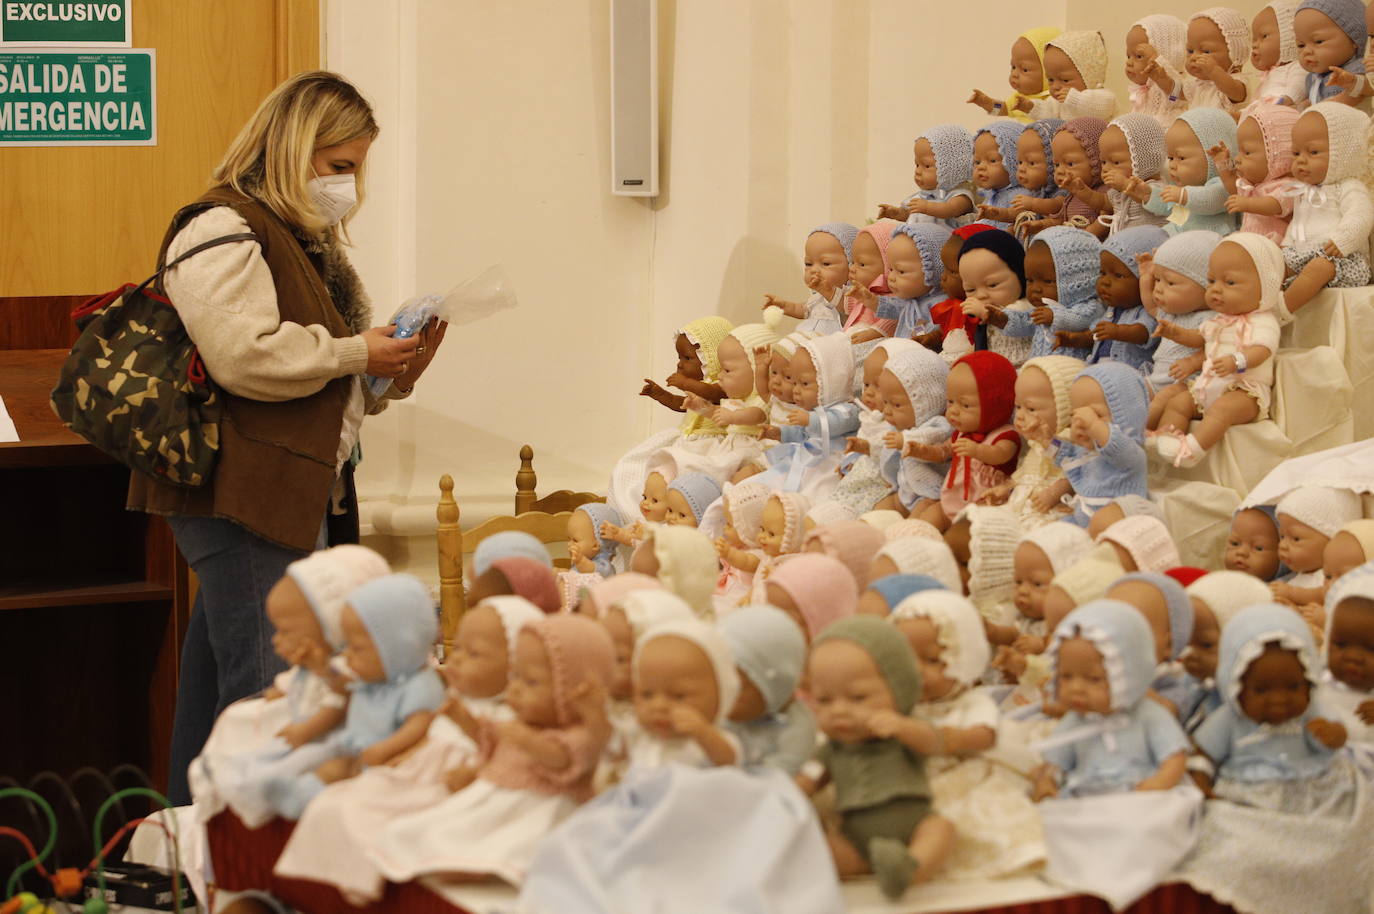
(918, 555)
(826, 512)
(1119, 509)
(1061, 285)
(1173, 286)
(983, 540)
(1257, 179)
(913, 278)
(1236, 383)
(822, 374)
(954, 331)
(1216, 598)
(853, 542)
(1125, 333)
(1195, 197)
(653, 507)
(1141, 543)
(508, 544)
(994, 170)
(863, 485)
(688, 498)
(1132, 151)
(523, 577)
(1077, 170)
(826, 273)
(998, 829)
(1027, 79)
(944, 168)
(983, 447)
(1082, 582)
(912, 387)
(1104, 456)
(738, 544)
(1308, 517)
(697, 367)
(1351, 547)
(1155, 58)
(388, 627)
(779, 392)
(1252, 544)
(305, 702)
(535, 769)
(865, 682)
(1274, 55)
(769, 653)
(781, 529)
(1035, 172)
(868, 270)
(1330, 37)
(1347, 688)
(1218, 44)
(596, 598)
(1282, 795)
(887, 593)
(1327, 242)
(1169, 613)
(1076, 67)
(992, 267)
(1042, 415)
(813, 590)
(591, 552)
(331, 841)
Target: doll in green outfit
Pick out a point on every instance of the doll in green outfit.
(864, 681)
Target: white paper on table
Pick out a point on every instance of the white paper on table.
(7, 430)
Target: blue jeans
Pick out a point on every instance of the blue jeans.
(227, 653)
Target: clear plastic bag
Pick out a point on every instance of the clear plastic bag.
(481, 296)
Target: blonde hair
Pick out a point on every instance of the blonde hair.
(270, 159)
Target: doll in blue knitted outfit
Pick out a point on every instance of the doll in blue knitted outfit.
(1173, 286)
(1195, 197)
(1104, 456)
(822, 372)
(944, 170)
(994, 170)
(864, 680)
(825, 270)
(912, 387)
(1286, 804)
(1039, 195)
(913, 278)
(1125, 331)
(1332, 35)
(1061, 285)
(769, 650)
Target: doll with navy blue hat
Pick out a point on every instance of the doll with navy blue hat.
(943, 175)
(995, 170)
(1061, 269)
(1103, 457)
(825, 270)
(1125, 333)
(914, 277)
(1195, 197)
(992, 268)
(769, 650)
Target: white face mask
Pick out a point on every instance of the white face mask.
(333, 196)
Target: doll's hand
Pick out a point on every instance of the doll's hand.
(975, 308)
(997, 495)
(1331, 250)
(723, 547)
(1116, 179)
(687, 721)
(679, 380)
(1365, 711)
(654, 391)
(1043, 786)
(698, 404)
(296, 735)
(721, 416)
(930, 453)
(1171, 193)
(1105, 330)
(888, 211)
(885, 724)
(459, 778)
(1043, 500)
(855, 445)
(864, 296)
(1224, 366)
(1063, 339)
(1221, 157)
(1329, 733)
(1010, 661)
(1184, 367)
(1281, 592)
(797, 417)
(1343, 79)
(983, 100)
(610, 531)
(1203, 66)
(917, 206)
(1165, 329)
(1238, 204)
(1073, 184)
(1084, 418)
(338, 769)
(966, 447)
(892, 439)
(1029, 644)
(1042, 316)
(1314, 614)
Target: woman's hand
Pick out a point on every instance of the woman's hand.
(388, 357)
(429, 339)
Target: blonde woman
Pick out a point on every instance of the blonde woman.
(285, 330)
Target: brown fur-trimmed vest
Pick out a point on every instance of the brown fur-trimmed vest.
(276, 465)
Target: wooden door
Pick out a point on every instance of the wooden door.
(81, 219)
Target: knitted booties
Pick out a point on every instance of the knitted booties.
(1178, 449)
(893, 865)
(290, 795)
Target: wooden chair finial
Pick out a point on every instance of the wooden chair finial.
(449, 537)
(525, 481)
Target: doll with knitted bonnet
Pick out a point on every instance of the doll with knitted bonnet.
(738, 544)
(1035, 173)
(1155, 58)
(918, 554)
(1195, 197)
(1165, 606)
(358, 809)
(912, 386)
(853, 542)
(591, 551)
(779, 393)
(689, 495)
(1042, 414)
(998, 830)
(1330, 36)
(1308, 518)
(994, 170)
(1103, 456)
(868, 271)
(944, 170)
(913, 278)
(826, 274)
(1110, 788)
(982, 539)
(1347, 687)
(814, 590)
(535, 769)
(1076, 68)
(863, 485)
(992, 268)
(1061, 268)
(1235, 385)
(1274, 55)
(1284, 799)
(886, 593)
(781, 529)
(865, 682)
(521, 576)
(1173, 287)
(1077, 170)
(1132, 151)
(1217, 45)
(696, 372)
(983, 447)
(305, 702)
(1257, 178)
(1027, 79)
(1327, 242)
(683, 559)
(1124, 333)
(812, 441)
(1216, 598)
(769, 653)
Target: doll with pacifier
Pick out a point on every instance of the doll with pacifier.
(868, 270)
(738, 545)
(535, 770)
(1078, 171)
(696, 372)
(1132, 150)
(1195, 197)
(684, 561)
(1236, 383)
(853, 542)
(1347, 688)
(389, 628)
(983, 447)
(1027, 78)
(1124, 333)
(814, 437)
(1103, 456)
(1274, 55)
(1216, 597)
(781, 531)
(1173, 286)
(992, 268)
(1327, 242)
(813, 590)
(1061, 268)
(305, 703)
(1330, 37)
(1283, 796)
(994, 170)
(954, 332)
(912, 387)
(998, 830)
(1112, 787)
(863, 485)
(943, 175)
(1308, 519)
(913, 278)
(1155, 57)
(476, 673)
(1043, 413)
(865, 682)
(773, 729)
(826, 274)
(1076, 68)
(1252, 544)
(1257, 178)
(1218, 45)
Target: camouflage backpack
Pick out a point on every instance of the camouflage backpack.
(135, 387)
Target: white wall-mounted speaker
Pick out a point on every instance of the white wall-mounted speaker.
(634, 97)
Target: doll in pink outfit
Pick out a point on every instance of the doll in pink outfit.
(1257, 177)
(868, 271)
(535, 770)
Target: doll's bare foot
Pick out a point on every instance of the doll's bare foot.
(1310, 280)
(849, 863)
(459, 778)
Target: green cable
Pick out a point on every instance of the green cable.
(12, 885)
(100, 845)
